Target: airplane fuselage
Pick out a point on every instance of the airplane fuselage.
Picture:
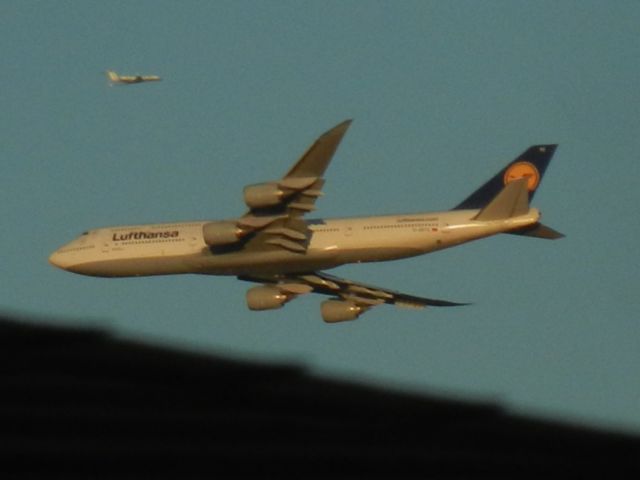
(116, 79)
(275, 246)
(179, 248)
(139, 79)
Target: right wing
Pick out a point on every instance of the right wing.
(351, 299)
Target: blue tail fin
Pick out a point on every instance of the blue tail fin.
(532, 164)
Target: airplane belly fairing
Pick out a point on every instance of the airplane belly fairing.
(289, 262)
(133, 267)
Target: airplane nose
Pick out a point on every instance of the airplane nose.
(56, 260)
(62, 259)
(71, 256)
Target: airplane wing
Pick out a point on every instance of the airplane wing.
(349, 296)
(276, 208)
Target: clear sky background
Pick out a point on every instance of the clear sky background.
(443, 95)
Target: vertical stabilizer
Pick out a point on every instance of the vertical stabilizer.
(112, 76)
(531, 164)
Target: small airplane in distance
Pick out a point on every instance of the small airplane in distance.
(273, 245)
(114, 78)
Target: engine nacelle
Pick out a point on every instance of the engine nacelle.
(216, 234)
(265, 297)
(339, 311)
(263, 195)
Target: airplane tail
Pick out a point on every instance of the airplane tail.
(509, 192)
(530, 164)
(113, 76)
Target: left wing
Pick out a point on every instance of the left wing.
(351, 299)
(277, 208)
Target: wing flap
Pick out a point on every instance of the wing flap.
(320, 282)
(409, 305)
(295, 288)
(358, 289)
(287, 232)
(363, 301)
(287, 244)
(304, 206)
(257, 222)
(388, 296)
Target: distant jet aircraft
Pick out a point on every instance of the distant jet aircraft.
(273, 245)
(114, 78)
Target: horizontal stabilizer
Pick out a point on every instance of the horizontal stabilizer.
(539, 231)
(512, 201)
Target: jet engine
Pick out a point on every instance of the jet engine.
(266, 297)
(216, 234)
(271, 194)
(263, 195)
(340, 310)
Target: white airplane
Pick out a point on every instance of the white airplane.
(114, 78)
(272, 244)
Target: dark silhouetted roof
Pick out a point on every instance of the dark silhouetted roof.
(85, 404)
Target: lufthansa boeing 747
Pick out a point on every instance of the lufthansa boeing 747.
(273, 244)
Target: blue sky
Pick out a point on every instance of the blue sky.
(442, 94)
